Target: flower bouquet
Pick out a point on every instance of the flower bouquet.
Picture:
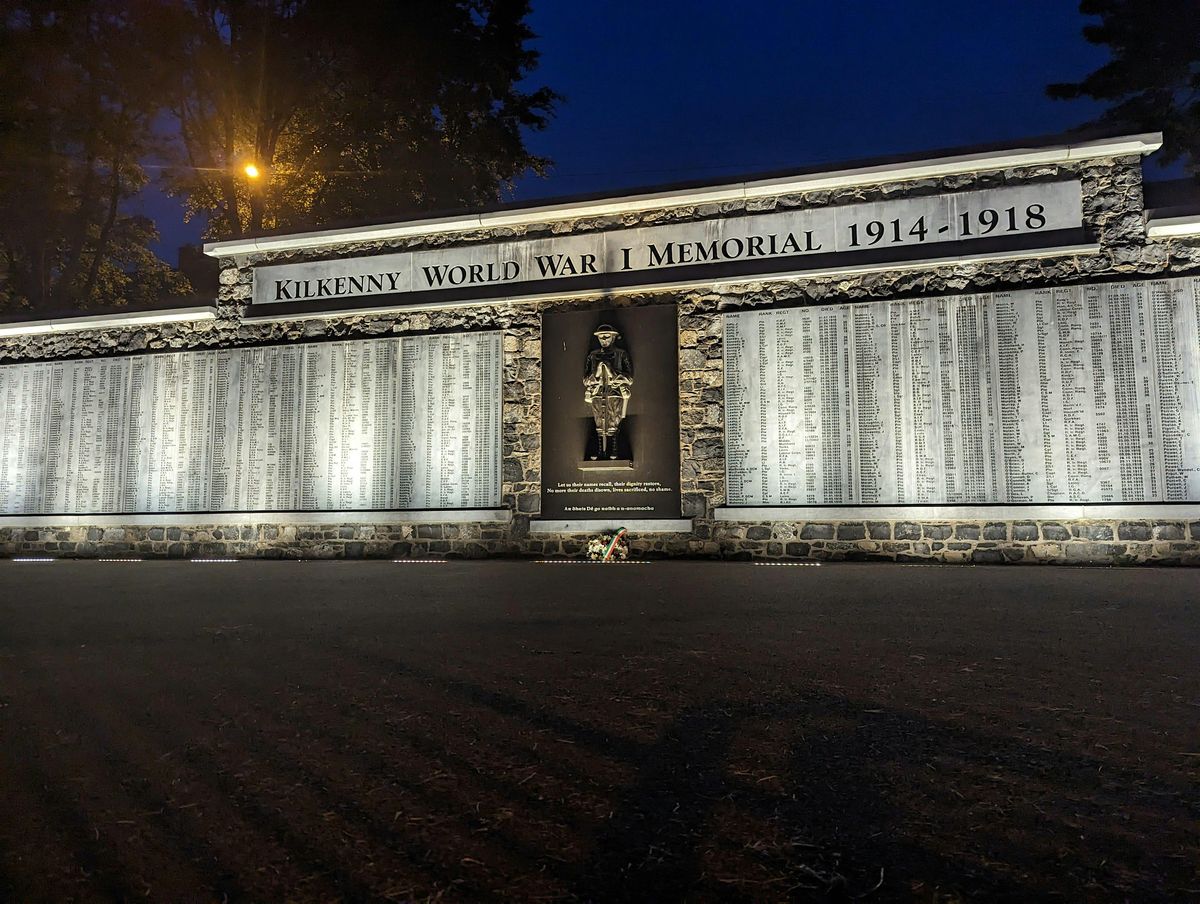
(609, 547)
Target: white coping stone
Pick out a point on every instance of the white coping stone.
(932, 168)
(109, 321)
(1173, 227)
(644, 526)
(412, 516)
(1180, 511)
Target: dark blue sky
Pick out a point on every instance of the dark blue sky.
(661, 91)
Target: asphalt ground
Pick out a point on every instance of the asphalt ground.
(481, 731)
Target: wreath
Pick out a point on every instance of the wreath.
(609, 547)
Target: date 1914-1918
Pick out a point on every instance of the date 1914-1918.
(968, 224)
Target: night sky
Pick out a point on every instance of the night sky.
(668, 91)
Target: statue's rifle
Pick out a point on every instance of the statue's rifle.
(604, 408)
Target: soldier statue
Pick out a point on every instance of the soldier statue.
(607, 379)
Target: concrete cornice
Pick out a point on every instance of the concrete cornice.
(1173, 227)
(108, 321)
(736, 191)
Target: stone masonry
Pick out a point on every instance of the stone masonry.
(978, 542)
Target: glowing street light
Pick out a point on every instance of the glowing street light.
(251, 171)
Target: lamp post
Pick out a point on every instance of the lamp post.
(256, 189)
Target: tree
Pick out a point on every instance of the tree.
(1153, 78)
(351, 110)
(359, 109)
(73, 129)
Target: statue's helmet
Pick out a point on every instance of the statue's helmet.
(605, 330)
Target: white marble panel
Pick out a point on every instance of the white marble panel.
(1085, 394)
(323, 427)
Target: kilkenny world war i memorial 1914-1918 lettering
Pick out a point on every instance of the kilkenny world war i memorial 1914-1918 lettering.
(981, 355)
(795, 239)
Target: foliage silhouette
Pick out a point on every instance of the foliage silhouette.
(1153, 79)
(356, 110)
(76, 120)
(359, 109)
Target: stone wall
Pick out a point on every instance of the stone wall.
(269, 541)
(1113, 211)
(522, 396)
(975, 542)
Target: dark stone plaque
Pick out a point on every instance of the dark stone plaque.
(618, 461)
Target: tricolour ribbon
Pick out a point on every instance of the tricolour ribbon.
(613, 544)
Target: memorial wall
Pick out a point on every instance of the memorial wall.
(986, 355)
(1081, 394)
(379, 424)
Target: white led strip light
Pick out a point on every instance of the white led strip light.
(587, 562)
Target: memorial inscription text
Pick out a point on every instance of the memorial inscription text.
(1086, 394)
(892, 227)
(398, 423)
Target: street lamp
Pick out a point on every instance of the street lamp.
(251, 171)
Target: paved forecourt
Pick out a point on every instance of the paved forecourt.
(469, 731)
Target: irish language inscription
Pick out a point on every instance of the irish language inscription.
(398, 423)
(1087, 394)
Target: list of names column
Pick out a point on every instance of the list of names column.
(378, 424)
(1083, 394)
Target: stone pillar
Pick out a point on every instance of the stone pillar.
(701, 409)
(521, 437)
